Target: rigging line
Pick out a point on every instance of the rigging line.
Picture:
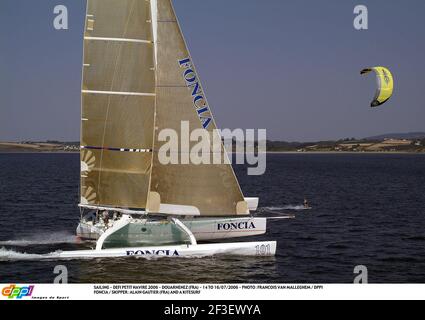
(109, 98)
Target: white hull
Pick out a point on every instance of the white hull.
(226, 228)
(204, 229)
(260, 249)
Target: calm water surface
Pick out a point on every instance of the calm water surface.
(367, 209)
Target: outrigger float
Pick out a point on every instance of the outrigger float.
(191, 249)
(138, 80)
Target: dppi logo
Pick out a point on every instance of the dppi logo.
(198, 95)
(153, 253)
(17, 292)
(236, 226)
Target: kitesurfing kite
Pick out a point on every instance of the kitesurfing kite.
(385, 82)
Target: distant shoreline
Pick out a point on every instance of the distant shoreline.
(347, 146)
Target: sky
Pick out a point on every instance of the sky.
(289, 66)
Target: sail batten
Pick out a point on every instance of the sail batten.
(120, 93)
(117, 39)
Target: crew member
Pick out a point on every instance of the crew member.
(306, 205)
(105, 217)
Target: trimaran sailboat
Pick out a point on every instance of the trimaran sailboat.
(139, 78)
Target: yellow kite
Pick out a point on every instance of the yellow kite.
(385, 82)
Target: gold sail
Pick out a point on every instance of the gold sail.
(212, 189)
(118, 102)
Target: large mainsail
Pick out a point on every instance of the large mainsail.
(209, 189)
(139, 79)
(118, 104)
